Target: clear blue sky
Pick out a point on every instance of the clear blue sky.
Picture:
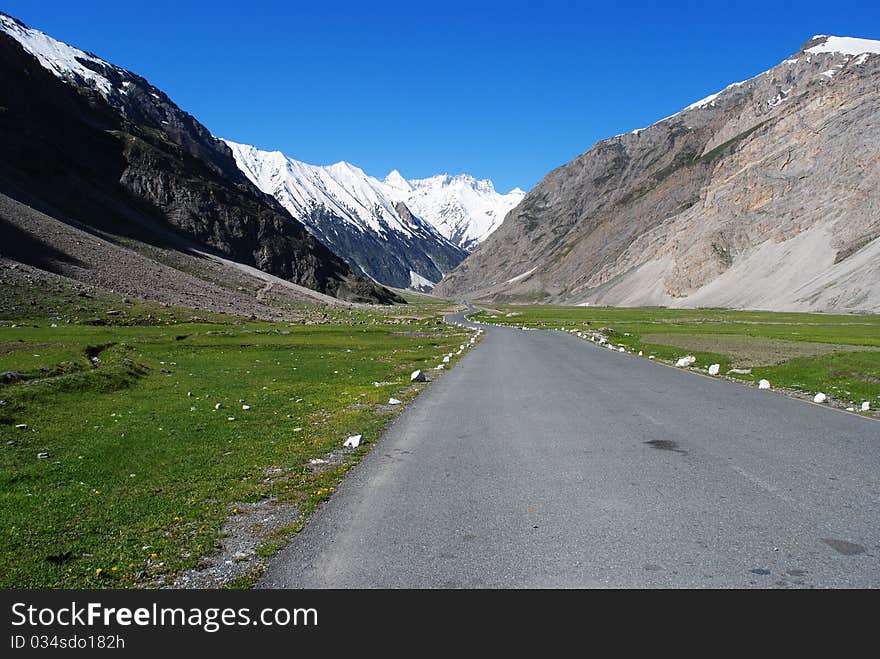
(505, 90)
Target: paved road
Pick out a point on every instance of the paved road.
(541, 460)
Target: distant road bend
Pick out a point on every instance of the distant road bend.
(541, 460)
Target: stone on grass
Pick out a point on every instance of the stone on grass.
(353, 442)
(621, 349)
(820, 398)
(685, 361)
(393, 401)
(446, 359)
(850, 409)
(439, 367)
(418, 376)
(651, 357)
(21, 426)
(866, 406)
(230, 418)
(763, 384)
(714, 369)
(740, 371)
(245, 407)
(218, 406)
(640, 353)
(43, 455)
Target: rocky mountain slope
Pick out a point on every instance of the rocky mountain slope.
(398, 232)
(765, 195)
(98, 148)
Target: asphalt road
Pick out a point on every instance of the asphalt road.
(541, 460)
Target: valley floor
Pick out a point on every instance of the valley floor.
(150, 445)
(136, 435)
(543, 460)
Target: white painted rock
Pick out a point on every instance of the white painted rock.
(439, 367)
(218, 406)
(245, 407)
(740, 371)
(714, 369)
(764, 384)
(640, 353)
(820, 398)
(353, 442)
(866, 406)
(850, 409)
(418, 376)
(43, 455)
(446, 359)
(651, 357)
(21, 426)
(685, 361)
(621, 349)
(393, 401)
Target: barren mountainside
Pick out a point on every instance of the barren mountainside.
(765, 195)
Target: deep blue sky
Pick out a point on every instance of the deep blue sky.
(505, 91)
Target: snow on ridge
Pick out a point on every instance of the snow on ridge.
(839, 45)
(459, 209)
(57, 57)
(844, 45)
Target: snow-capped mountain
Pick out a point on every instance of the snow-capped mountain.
(462, 208)
(399, 232)
(103, 147)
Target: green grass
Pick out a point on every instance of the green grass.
(142, 469)
(836, 354)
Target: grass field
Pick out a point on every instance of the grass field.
(836, 354)
(142, 468)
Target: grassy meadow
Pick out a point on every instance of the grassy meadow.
(836, 354)
(126, 442)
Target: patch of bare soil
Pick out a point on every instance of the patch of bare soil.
(253, 525)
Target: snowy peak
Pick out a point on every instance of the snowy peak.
(395, 180)
(461, 209)
(365, 220)
(464, 209)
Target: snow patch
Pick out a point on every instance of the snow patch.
(419, 283)
(845, 46)
(61, 59)
(513, 280)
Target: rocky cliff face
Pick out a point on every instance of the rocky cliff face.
(106, 149)
(765, 195)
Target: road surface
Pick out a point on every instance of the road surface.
(541, 460)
